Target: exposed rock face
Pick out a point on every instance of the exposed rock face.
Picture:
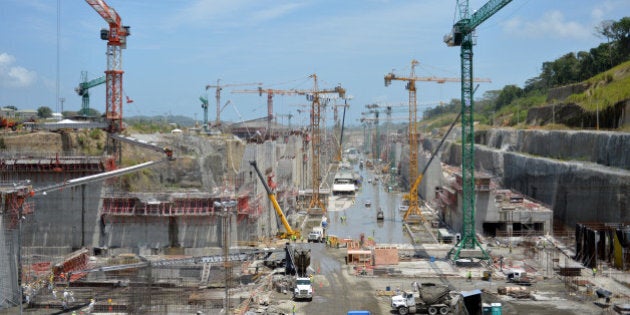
(582, 175)
(574, 116)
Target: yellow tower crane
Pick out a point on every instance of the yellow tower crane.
(412, 196)
(315, 96)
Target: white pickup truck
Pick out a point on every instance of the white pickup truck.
(316, 235)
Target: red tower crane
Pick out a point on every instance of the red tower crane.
(116, 38)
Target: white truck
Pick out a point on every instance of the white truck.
(316, 235)
(303, 289)
(431, 298)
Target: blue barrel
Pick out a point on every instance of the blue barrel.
(496, 308)
(387, 288)
(432, 258)
(486, 309)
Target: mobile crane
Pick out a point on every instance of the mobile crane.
(289, 231)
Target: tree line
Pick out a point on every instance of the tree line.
(568, 69)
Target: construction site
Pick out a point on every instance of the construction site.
(261, 217)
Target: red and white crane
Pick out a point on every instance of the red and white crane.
(116, 38)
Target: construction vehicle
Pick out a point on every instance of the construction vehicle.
(272, 197)
(428, 297)
(8, 123)
(298, 261)
(520, 277)
(316, 235)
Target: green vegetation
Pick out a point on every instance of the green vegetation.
(44, 112)
(605, 70)
(604, 91)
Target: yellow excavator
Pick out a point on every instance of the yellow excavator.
(289, 231)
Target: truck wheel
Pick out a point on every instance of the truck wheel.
(444, 310)
(403, 310)
(432, 310)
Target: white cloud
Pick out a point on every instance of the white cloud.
(551, 24)
(14, 76)
(276, 12)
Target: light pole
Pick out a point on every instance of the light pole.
(226, 207)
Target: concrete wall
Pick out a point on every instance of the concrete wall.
(61, 218)
(596, 190)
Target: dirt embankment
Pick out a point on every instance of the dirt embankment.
(83, 142)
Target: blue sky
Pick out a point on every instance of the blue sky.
(178, 47)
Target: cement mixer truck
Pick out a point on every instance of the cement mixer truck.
(428, 297)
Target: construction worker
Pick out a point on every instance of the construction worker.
(469, 276)
(293, 309)
(594, 271)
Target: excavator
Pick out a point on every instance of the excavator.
(289, 231)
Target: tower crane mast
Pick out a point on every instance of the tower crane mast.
(218, 87)
(116, 38)
(314, 96)
(316, 137)
(412, 196)
(462, 35)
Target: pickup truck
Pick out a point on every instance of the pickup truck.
(519, 277)
(316, 235)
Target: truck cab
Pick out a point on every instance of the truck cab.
(303, 289)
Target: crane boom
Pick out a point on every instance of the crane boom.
(462, 36)
(217, 95)
(270, 93)
(412, 196)
(274, 202)
(83, 91)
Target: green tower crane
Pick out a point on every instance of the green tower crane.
(83, 91)
(204, 105)
(462, 35)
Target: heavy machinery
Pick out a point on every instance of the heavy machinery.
(116, 37)
(297, 262)
(316, 206)
(272, 197)
(83, 91)
(430, 298)
(218, 87)
(412, 197)
(462, 35)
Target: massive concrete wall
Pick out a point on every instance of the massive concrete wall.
(64, 217)
(582, 176)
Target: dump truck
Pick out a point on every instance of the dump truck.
(303, 287)
(429, 297)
